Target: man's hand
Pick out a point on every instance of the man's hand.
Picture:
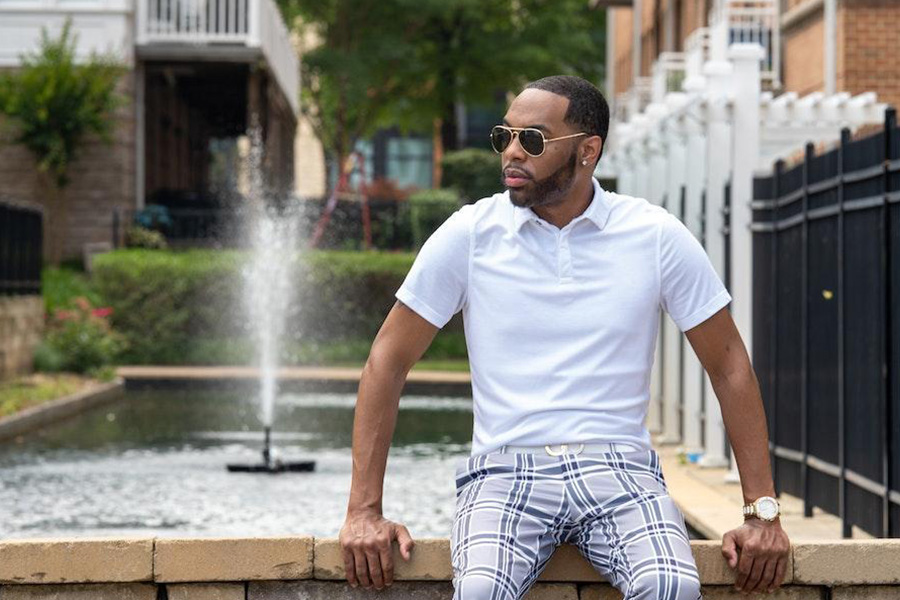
(366, 539)
(759, 549)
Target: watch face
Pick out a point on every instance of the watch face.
(767, 508)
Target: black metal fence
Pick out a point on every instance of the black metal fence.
(826, 342)
(21, 245)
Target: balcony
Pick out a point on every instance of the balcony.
(241, 30)
(667, 75)
(748, 21)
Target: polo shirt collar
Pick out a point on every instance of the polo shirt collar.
(597, 211)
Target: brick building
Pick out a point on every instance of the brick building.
(859, 56)
(199, 73)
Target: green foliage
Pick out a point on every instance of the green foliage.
(407, 62)
(48, 359)
(55, 102)
(83, 338)
(61, 286)
(474, 173)
(428, 209)
(140, 237)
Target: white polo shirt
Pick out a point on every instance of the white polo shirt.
(561, 324)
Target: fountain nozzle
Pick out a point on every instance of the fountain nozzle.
(272, 463)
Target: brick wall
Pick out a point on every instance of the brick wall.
(804, 61)
(872, 45)
(102, 178)
(21, 326)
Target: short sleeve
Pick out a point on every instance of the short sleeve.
(436, 285)
(690, 289)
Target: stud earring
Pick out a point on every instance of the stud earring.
(584, 163)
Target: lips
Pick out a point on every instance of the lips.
(515, 177)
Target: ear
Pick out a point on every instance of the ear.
(590, 149)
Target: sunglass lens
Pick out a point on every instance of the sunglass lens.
(532, 141)
(500, 138)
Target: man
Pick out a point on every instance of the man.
(560, 283)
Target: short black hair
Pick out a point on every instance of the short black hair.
(588, 109)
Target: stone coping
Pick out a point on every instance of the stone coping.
(169, 560)
(41, 415)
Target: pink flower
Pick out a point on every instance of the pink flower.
(82, 303)
(64, 315)
(102, 312)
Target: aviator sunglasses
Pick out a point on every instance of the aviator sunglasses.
(532, 140)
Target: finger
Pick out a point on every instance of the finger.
(362, 568)
(768, 576)
(375, 569)
(745, 566)
(350, 568)
(387, 564)
(405, 540)
(753, 580)
(728, 550)
(780, 571)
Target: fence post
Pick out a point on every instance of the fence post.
(842, 400)
(804, 334)
(773, 443)
(890, 123)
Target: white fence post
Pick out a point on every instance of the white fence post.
(746, 60)
(718, 151)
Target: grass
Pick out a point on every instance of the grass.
(26, 391)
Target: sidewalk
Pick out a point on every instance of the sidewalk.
(712, 506)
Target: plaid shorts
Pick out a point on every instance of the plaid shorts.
(513, 510)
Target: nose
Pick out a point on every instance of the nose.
(514, 150)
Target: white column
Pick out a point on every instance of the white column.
(692, 390)
(718, 75)
(746, 85)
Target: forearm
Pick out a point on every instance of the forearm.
(745, 424)
(373, 428)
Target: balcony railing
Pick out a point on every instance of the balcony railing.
(748, 21)
(696, 48)
(254, 24)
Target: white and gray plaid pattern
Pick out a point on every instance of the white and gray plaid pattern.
(514, 509)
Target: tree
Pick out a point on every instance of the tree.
(54, 104)
(410, 62)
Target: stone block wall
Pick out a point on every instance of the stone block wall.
(21, 327)
(303, 568)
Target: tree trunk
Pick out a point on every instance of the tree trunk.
(55, 221)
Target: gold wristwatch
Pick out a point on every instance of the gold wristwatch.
(766, 508)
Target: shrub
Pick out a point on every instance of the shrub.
(61, 286)
(428, 209)
(81, 339)
(473, 172)
(140, 237)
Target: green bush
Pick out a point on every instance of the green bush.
(81, 339)
(61, 286)
(428, 209)
(141, 237)
(473, 172)
(188, 307)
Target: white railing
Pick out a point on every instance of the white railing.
(249, 23)
(696, 48)
(748, 21)
(667, 74)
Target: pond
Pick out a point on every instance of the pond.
(154, 464)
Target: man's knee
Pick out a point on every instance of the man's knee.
(473, 587)
(665, 586)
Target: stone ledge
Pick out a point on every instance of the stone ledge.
(431, 561)
(233, 559)
(206, 591)
(75, 561)
(847, 562)
(111, 591)
(413, 590)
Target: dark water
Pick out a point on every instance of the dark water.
(153, 463)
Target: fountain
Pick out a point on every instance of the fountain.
(272, 235)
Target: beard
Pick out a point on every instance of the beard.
(549, 190)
